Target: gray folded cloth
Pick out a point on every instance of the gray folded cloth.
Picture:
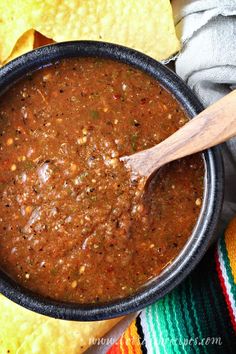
(207, 62)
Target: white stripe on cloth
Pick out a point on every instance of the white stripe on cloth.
(226, 280)
(149, 332)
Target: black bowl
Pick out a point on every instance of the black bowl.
(203, 232)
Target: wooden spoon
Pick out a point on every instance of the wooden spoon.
(214, 125)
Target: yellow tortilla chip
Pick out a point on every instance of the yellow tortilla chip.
(144, 25)
(12, 26)
(23, 45)
(24, 332)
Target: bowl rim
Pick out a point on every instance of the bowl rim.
(203, 232)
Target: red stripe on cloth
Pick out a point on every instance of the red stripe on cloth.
(222, 283)
(115, 349)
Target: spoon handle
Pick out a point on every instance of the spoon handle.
(214, 125)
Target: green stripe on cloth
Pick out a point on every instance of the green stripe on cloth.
(190, 310)
(159, 315)
(169, 322)
(158, 329)
(177, 314)
(208, 304)
(182, 290)
(209, 311)
(195, 310)
(151, 330)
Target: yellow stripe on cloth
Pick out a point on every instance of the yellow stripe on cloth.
(230, 242)
(136, 339)
(131, 341)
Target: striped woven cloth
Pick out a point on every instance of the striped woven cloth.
(199, 316)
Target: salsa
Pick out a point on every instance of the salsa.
(74, 223)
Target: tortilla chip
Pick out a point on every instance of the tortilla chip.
(40, 40)
(23, 45)
(144, 25)
(12, 26)
(24, 332)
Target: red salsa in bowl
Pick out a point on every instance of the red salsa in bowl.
(73, 224)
